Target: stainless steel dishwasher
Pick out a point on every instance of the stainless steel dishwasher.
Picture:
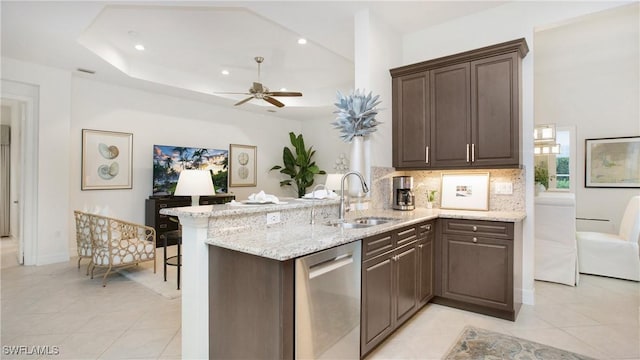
(327, 301)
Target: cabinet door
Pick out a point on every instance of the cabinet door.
(406, 276)
(478, 270)
(425, 268)
(411, 121)
(495, 114)
(377, 301)
(450, 116)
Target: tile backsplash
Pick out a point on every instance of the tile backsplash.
(423, 180)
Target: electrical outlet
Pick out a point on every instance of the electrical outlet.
(504, 188)
(273, 218)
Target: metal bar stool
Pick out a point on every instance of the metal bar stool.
(173, 236)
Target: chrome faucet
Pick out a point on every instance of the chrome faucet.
(313, 203)
(365, 189)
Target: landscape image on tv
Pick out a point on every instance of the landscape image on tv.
(169, 161)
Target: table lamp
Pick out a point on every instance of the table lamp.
(333, 182)
(195, 183)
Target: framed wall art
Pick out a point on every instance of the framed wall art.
(465, 191)
(242, 165)
(107, 160)
(612, 162)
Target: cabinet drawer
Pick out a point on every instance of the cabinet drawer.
(425, 229)
(494, 229)
(406, 235)
(376, 245)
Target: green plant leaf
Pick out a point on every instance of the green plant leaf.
(298, 165)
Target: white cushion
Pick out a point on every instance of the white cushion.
(608, 255)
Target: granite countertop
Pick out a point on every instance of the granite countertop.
(236, 208)
(286, 241)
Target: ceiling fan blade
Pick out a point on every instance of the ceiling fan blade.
(230, 93)
(284, 93)
(273, 101)
(243, 101)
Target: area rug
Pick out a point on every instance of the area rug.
(143, 274)
(476, 343)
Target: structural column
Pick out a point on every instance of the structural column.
(195, 288)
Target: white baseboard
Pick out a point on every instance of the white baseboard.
(52, 258)
(528, 296)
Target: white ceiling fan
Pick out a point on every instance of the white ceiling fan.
(259, 91)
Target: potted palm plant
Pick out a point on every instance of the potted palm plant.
(298, 165)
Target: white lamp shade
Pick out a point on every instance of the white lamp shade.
(195, 182)
(333, 181)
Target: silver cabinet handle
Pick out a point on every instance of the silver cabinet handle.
(426, 154)
(428, 227)
(475, 228)
(473, 152)
(420, 246)
(467, 152)
(475, 240)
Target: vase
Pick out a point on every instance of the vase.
(429, 205)
(357, 163)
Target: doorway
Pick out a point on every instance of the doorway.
(20, 103)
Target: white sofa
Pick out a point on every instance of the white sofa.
(556, 257)
(614, 255)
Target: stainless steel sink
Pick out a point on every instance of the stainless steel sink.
(361, 222)
(373, 220)
(348, 225)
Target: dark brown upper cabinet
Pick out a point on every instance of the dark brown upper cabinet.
(459, 111)
(411, 124)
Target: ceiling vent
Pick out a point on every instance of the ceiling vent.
(86, 71)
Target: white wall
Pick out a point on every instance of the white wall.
(377, 49)
(159, 119)
(507, 22)
(320, 134)
(54, 118)
(588, 76)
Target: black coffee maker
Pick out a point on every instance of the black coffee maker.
(402, 193)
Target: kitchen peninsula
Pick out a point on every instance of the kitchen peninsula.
(217, 237)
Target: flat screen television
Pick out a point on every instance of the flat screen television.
(169, 161)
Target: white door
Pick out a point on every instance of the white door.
(16, 183)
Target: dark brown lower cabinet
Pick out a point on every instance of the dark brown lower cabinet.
(426, 273)
(251, 306)
(397, 283)
(478, 267)
(376, 321)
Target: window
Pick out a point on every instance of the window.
(555, 171)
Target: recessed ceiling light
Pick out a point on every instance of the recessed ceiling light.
(139, 47)
(225, 72)
(302, 41)
(283, 89)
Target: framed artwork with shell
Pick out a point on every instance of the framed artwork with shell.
(242, 165)
(107, 160)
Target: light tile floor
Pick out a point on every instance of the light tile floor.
(58, 305)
